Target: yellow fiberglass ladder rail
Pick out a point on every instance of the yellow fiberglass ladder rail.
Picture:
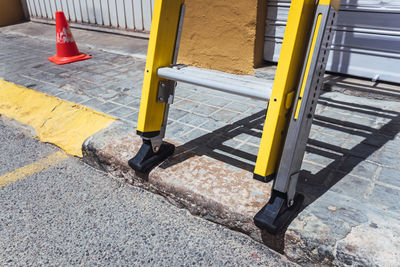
(294, 92)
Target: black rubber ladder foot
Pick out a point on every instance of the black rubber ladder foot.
(264, 179)
(276, 216)
(146, 159)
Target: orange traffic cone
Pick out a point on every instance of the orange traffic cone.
(67, 51)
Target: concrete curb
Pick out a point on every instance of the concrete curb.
(206, 187)
(324, 233)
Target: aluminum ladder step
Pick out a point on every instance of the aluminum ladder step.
(244, 85)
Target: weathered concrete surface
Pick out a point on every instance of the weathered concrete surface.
(207, 187)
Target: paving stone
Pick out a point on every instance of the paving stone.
(248, 152)
(365, 169)
(66, 95)
(213, 125)
(94, 103)
(204, 110)
(242, 135)
(364, 151)
(177, 129)
(123, 100)
(336, 114)
(332, 130)
(135, 104)
(390, 143)
(328, 141)
(323, 159)
(217, 101)
(105, 94)
(353, 187)
(313, 168)
(353, 141)
(108, 106)
(193, 135)
(388, 158)
(198, 97)
(193, 119)
(238, 107)
(123, 112)
(225, 115)
(390, 176)
(387, 198)
(133, 118)
(186, 105)
(177, 114)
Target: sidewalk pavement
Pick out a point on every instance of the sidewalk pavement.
(350, 174)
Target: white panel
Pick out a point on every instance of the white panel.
(97, 12)
(366, 41)
(85, 13)
(58, 5)
(64, 8)
(78, 10)
(53, 8)
(129, 15)
(137, 4)
(105, 13)
(47, 7)
(42, 9)
(365, 65)
(147, 14)
(113, 13)
(91, 11)
(121, 13)
(38, 8)
(71, 10)
(32, 10)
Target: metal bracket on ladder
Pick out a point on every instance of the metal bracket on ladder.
(284, 202)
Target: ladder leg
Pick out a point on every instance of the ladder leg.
(157, 93)
(286, 79)
(284, 202)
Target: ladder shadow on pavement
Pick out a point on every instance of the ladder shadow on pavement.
(216, 144)
(344, 160)
(312, 185)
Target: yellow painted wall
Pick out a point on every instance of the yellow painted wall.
(222, 34)
(10, 12)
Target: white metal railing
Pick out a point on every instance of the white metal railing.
(131, 17)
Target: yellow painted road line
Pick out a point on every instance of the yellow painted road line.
(32, 168)
(62, 123)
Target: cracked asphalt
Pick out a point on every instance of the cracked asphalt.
(70, 214)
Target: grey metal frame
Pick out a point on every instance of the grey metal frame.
(244, 85)
(299, 129)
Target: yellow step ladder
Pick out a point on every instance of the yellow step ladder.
(292, 97)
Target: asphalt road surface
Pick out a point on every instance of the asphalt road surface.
(57, 211)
